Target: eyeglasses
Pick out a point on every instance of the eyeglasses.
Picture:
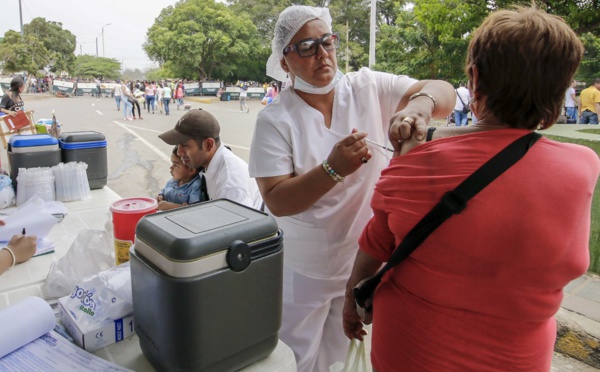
(310, 47)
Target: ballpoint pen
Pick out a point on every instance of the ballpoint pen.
(365, 139)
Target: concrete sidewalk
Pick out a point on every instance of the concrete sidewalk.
(578, 321)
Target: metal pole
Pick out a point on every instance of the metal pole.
(21, 18)
(372, 34)
(108, 24)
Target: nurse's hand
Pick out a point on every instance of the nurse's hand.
(407, 124)
(349, 154)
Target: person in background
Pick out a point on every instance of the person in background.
(226, 175)
(571, 104)
(159, 97)
(11, 101)
(480, 293)
(243, 95)
(127, 106)
(150, 94)
(98, 88)
(463, 97)
(138, 96)
(183, 188)
(19, 249)
(167, 95)
(316, 171)
(117, 94)
(178, 94)
(589, 110)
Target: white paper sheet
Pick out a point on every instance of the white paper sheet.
(37, 221)
(24, 322)
(52, 352)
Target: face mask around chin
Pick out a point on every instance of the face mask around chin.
(303, 86)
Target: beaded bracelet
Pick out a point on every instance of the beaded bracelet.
(423, 94)
(14, 259)
(331, 173)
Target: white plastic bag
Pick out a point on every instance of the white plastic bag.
(7, 193)
(90, 253)
(356, 360)
(106, 296)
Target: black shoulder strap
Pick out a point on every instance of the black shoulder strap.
(453, 202)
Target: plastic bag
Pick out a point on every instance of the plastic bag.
(90, 253)
(356, 360)
(7, 193)
(106, 296)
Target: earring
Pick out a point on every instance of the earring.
(287, 76)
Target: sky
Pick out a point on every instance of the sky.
(123, 38)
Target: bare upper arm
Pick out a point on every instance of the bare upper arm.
(267, 184)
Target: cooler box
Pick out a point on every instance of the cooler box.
(88, 147)
(31, 151)
(207, 286)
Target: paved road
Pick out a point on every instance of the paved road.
(138, 161)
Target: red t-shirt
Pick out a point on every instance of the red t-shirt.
(480, 294)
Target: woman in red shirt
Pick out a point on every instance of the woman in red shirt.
(481, 292)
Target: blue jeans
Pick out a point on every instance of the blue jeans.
(118, 100)
(127, 108)
(588, 117)
(571, 113)
(150, 103)
(460, 118)
(166, 102)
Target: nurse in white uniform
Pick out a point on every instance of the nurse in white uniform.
(317, 151)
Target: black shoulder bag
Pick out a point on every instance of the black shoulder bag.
(453, 202)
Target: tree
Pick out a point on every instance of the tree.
(590, 64)
(201, 39)
(89, 67)
(22, 54)
(44, 45)
(133, 74)
(59, 43)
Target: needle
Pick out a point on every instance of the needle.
(365, 139)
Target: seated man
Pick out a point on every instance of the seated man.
(227, 177)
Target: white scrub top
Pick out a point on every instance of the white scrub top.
(290, 137)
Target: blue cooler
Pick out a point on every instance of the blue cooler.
(88, 147)
(31, 151)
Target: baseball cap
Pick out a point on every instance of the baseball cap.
(194, 123)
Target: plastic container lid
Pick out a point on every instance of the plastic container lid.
(30, 140)
(134, 205)
(82, 136)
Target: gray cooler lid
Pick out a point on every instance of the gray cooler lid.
(190, 233)
(82, 136)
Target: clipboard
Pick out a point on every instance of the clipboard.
(15, 123)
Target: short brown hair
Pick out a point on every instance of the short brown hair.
(526, 60)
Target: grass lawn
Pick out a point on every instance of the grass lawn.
(595, 230)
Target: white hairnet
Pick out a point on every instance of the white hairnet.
(289, 23)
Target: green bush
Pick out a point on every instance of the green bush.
(595, 229)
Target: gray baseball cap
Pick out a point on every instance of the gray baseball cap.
(195, 123)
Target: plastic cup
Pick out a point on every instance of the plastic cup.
(126, 213)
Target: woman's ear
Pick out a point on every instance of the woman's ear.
(284, 65)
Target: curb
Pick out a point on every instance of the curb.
(578, 337)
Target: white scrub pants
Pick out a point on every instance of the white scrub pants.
(312, 320)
